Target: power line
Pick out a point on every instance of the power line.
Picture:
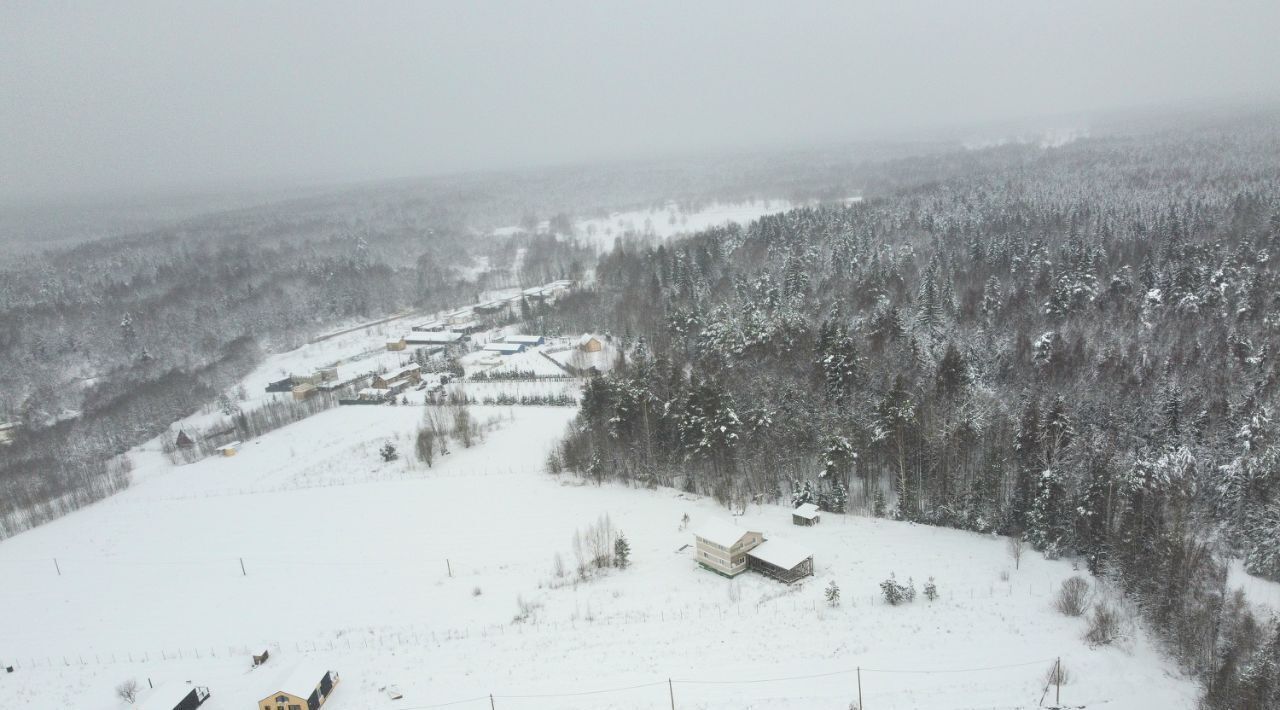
(585, 692)
(864, 670)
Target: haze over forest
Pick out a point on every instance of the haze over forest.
(177, 97)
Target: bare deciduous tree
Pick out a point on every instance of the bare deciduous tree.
(1016, 547)
(128, 691)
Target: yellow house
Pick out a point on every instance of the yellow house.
(589, 343)
(722, 548)
(396, 344)
(305, 687)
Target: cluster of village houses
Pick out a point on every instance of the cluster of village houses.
(431, 339)
(303, 687)
(426, 340)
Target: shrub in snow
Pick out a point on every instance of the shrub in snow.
(1073, 596)
(930, 590)
(128, 691)
(388, 452)
(895, 593)
(476, 592)
(910, 590)
(526, 610)
(878, 505)
(1104, 625)
(832, 593)
(621, 552)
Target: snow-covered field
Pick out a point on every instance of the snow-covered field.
(672, 220)
(664, 223)
(396, 573)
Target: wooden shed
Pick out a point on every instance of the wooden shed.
(229, 449)
(183, 441)
(806, 514)
(411, 375)
(781, 560)
(396, 344)
(589, 343)
(306, 390)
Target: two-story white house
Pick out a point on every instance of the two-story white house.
(729, 551)
(722, 548)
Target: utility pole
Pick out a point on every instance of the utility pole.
(1057, 681)
(859, 687)
(671, 691)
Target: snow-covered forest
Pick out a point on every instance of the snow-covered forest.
(1075, 345)
(106, 341)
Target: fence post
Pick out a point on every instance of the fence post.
(671, 691)
(860, 688)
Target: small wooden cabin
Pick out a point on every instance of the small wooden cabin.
(806, 514)
(229, 449)
(589, 343)
(304, 391)
(396, 344)
(183, 441)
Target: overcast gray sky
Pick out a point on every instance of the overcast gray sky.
(142, 95)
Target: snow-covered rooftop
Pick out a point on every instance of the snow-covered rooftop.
(809, 511)
(165, 697)
(299, 681)
(435, 337)
(586, 338)
(504, 347)
(780, 553)
(525, 339)
(720, 532)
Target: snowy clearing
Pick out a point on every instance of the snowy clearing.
(395, 573)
